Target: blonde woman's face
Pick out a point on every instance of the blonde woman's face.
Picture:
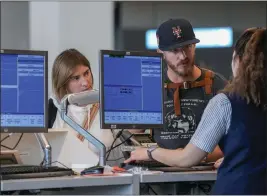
(81, 80)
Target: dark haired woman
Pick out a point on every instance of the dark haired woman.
(234, 119)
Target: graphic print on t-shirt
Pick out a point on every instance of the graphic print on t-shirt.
(181, 127)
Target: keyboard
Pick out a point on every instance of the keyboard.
(154, 165)
(32, 171)
(148, 164)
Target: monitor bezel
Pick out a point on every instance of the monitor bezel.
(104, 125)
(31, 129)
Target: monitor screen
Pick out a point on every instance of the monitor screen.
(23, 91)
(131, 90)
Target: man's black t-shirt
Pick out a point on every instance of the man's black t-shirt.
(179, 129)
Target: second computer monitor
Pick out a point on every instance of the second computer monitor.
(131, 90)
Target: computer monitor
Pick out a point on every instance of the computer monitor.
(131, 90)
(24, 91)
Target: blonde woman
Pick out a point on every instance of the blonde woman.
(72, 73)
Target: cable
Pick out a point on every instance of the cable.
(6, 137)
(117, 136)
(57, 162)
(60, 164)
(42, 163)
(15, 144)
(120, 144)
(149, 187)
(115, 159)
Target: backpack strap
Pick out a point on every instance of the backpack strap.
(206, 83)
(209, 75)
(52, 113)
(209, 91)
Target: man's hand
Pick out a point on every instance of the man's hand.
(215, 155)
(218, 163)
(138, 155)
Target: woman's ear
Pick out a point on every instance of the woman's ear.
(235, 63)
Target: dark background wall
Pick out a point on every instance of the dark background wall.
(134, 18)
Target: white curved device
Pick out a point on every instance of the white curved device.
(84, 98)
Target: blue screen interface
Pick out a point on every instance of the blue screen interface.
(22, 90)
(132, 90)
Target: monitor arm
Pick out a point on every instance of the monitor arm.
(46, 147)
(90, 138)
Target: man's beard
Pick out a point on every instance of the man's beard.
(187, 70)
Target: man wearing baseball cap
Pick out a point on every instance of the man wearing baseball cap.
(188, 89)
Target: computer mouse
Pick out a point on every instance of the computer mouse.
(93, 170)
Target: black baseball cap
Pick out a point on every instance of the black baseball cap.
(175, 33)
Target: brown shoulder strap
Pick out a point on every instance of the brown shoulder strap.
(209, 75)
(93, 111)
(176, 96)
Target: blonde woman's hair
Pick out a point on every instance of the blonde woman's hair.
(62, 70)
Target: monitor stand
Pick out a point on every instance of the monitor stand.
(46, 147)
(90, 138)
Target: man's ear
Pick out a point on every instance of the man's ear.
(159, 51)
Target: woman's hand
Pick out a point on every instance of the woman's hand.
(218, 163)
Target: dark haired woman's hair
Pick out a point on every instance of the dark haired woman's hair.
(250, 82)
